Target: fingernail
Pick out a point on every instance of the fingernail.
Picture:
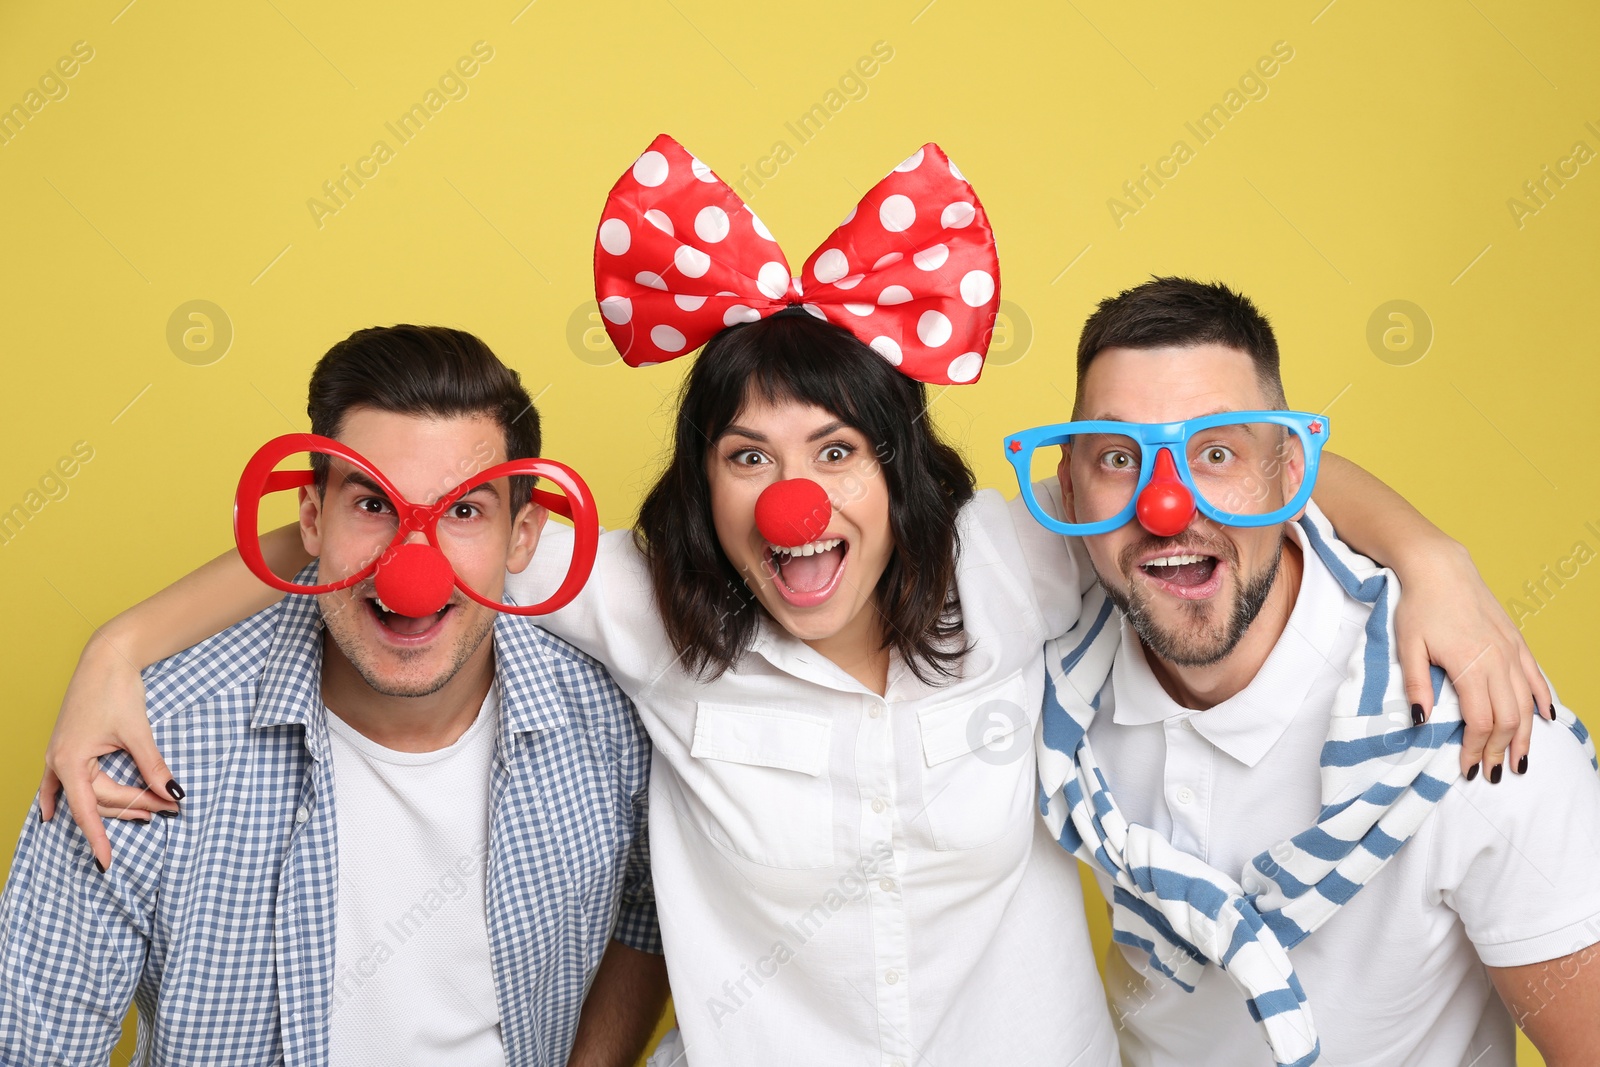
(98, 864)
(1416, 715)
(1522, 765)
(175, 790)
(1472, 772)
(1552, 713)
(166, 814)
(1495, 772)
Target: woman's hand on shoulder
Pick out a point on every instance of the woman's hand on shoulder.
(103, 712)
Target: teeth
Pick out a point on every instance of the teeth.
(807, 550)
(382, 605)
(1173, 561)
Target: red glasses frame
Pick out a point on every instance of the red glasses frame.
(260, 478)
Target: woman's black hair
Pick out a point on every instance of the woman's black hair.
(709, 613)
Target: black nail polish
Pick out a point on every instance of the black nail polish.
(175, 791)
(98, 864)
(1416, 715)
(166, 814)
(1495, 772)
(1552, 713)
(1472, 772)
(1522, 765)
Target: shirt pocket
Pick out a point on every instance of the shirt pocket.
(767, 794)
(977, 778)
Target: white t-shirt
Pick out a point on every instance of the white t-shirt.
(1503, 875)
(848, 879)
(412, 980)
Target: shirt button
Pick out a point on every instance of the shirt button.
(886, 884)
(1250, 885)
(302, 815)
(874, 711)
(891, 976)
(879, 805)
(1185, 795)
(1188, 723)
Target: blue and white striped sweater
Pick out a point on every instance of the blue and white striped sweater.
(1381, 778)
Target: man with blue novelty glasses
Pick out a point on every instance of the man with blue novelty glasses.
(1226, 742)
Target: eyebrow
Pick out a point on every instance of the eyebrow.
(1116, 418)
(361, 481)
(736, 430)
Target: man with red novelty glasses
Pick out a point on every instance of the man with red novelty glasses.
(417, 830)
(1227, 743)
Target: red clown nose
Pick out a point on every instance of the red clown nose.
(1166, 506)
(415, 580)
(793, 512)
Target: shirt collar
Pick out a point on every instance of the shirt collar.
(1247, 725)
(525, 656)
(291, 678)
(291, 681)
(787, 653)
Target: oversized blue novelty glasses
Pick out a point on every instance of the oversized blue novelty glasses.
(1225, 466)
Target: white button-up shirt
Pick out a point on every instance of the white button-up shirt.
(1503, 875)
(849, 879)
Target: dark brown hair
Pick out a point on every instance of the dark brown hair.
(422, 370)
(1183, 313)
(709, 614)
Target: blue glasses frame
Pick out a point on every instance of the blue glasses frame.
(1152, 437)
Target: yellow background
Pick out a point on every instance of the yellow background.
(179, 164)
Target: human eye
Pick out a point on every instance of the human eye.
(1118, 459)
(747, 457)
(462, 511)
(373, 505)
(836, 452)
(1216, 455)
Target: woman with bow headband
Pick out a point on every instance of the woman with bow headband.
(834, 641)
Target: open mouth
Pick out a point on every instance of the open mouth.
(405, 627)
(1189, 575)
(807, 575)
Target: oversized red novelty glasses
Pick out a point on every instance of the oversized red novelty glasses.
(412, 578)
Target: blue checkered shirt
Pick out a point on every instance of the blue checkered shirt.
(219, 924)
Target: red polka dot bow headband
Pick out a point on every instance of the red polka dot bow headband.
(911, 270)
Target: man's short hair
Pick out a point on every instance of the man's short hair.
(428, 371)
(1180, 312)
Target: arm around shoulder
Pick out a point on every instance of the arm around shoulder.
(613, 618)
(1522, 869)
(1058, 567)
(1557, 1004)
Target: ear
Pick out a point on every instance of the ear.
(1294, 470)
(1064, 478)
(311, 521)
(525, 531)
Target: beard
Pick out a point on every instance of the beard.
(338, 616)
(1201, 639)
